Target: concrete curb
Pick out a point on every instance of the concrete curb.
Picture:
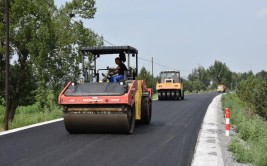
(208, 151)
(30, 126)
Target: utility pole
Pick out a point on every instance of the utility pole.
(152, 67)
(7, 66)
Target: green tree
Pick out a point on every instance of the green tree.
(26, 18)
(45, 43)
(67, 56)
(236, 78)
(149, 79)
(83, 8)
(220, 74)
(188, 85)
(246, 75)
(254, 92)
(198, 86)
(262, 74)
(200, 74)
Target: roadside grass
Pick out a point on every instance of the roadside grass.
(155, 96)
(27, 115)
(249, 144)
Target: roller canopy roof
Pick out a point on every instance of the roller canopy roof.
(109, 50)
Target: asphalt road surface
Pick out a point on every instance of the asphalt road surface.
(169, 140)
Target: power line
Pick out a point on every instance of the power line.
(165, 66)
(144, 59)
(72, 15)
(168, 67)
(108, 42)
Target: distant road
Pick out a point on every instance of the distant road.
(169, 140)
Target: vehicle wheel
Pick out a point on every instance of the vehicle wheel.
(131, 119)
(182, 96)
(159, 96)
(146, 111)
(168, 95)
(177, 95)
(173, 95)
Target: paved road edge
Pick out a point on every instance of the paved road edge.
(30, 126)
(208, 151)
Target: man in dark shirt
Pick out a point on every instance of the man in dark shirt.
(119, 70)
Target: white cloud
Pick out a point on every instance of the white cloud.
(262, 12)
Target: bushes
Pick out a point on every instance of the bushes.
(194, 86)
(253, 91)
(35, 113)
(251, 128)
(24, 119)
(27, 115)
(250, 142)
(240, 150)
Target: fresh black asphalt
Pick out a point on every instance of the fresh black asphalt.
(169, 140)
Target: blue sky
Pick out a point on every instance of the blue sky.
(185, 34)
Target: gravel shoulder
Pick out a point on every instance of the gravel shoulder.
(224, 141)
(212, 144)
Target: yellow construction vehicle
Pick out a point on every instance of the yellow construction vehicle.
(170, 86)
(221, 88)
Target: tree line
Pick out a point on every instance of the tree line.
(216, 74)
(201, 79)
(44, 43)
(253, 91)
